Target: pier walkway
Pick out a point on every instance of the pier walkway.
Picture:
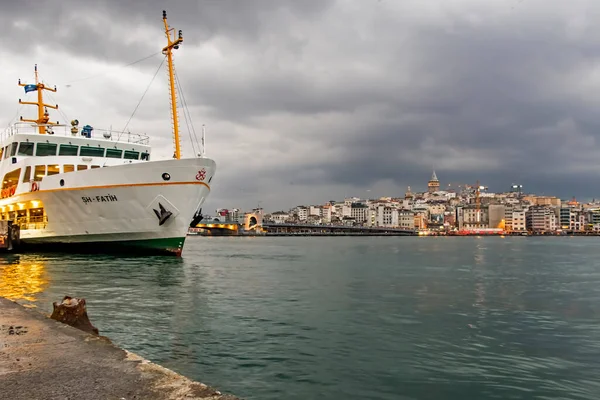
(44, 359)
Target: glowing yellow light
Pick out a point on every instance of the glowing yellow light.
(21, 205)
(22, 281)
(35, 203)
(11, 207)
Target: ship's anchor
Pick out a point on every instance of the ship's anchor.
(197, 218)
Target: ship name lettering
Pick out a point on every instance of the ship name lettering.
(100, 199)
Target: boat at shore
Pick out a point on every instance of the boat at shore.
(82, 189)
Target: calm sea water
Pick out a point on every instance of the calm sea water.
(347, 317)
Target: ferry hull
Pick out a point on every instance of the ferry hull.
(150, 216)
(146, 247)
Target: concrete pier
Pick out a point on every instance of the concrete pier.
(44, 359)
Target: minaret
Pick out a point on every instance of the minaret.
(434, 184)
(408, 194)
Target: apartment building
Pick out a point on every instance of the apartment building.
(540, 218)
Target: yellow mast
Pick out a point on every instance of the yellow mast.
(172, 44)
(43, 116)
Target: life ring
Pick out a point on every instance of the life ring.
(34, 187)
(12, 190)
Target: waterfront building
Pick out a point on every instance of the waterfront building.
(469, 217)
(566, 218)
(449, 219)
(302, 213)
(437, 208)
(508, 217)
(279, 217)
(342, 210)
(406, 219)
(387, 216)
(594, 217)
(358, 212)
(314, 210)
(540, 218)
(326, 214)
(420, 220)
(519, 221)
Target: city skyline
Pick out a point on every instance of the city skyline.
(416, 189)
(326, 99)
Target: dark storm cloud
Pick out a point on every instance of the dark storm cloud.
(505, 98)
(344, 94)
(110, 29)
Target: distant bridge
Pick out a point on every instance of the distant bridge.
(215, 229)
(331, 230)
(251, 227)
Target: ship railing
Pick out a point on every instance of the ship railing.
(67, 130)
(26, 223)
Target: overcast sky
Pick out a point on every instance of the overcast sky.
(308, 101)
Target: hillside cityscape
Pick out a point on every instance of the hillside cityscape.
(457, 208)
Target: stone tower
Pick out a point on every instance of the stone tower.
(434, 184)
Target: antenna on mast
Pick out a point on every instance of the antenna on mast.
(43, 122)
(173, 44)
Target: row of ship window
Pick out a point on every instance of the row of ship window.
(52, 149)
(39, 171)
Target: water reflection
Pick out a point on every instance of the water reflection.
(22, 278)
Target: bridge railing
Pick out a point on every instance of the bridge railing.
(340, 227)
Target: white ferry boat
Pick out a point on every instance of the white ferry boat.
(91, 190)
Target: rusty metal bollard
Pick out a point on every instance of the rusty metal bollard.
(72, 311)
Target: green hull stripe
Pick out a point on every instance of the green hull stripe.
(164, 243)
(170, 246)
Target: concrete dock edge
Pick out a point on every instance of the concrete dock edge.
(44, 359)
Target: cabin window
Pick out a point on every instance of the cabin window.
(11, 179)
(67, 150)
(13, 149)
(36, 215)
(27, 174)
(91, 151)
(95, 166)
(53, 169)
(114, 153)
(25, 149)
(68, 168)
(39, 172)
(146, 156)
(1, 152)
(81, 167)
(21, 215)
(132, 155)
(45, 149)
